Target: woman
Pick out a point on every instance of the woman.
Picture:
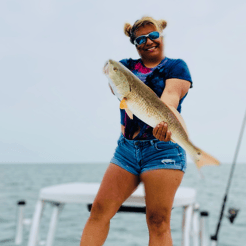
(144, 154)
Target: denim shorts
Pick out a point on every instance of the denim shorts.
(138, 156)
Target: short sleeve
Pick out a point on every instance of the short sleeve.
(180, 70)
(125, 62)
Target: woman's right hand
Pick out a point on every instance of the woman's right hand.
(161, 132)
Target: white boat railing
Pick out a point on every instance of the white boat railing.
(194, 223)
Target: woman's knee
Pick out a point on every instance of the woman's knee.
(102, 212)
(159, 220)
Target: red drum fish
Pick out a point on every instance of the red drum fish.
(148, 107)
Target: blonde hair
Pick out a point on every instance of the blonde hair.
(130, 30)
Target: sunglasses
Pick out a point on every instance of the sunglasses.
(143, 39)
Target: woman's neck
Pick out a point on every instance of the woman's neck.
(150, 63)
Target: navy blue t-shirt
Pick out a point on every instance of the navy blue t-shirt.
(154, 78)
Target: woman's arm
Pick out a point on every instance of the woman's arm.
(123, 129)
(175, 90)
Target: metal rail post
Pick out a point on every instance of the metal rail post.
(195, 225)
(204, 232)
(20, 219)
(186, 225)
(33, 236)
(52, 228)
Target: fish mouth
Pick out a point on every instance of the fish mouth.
(106, 68)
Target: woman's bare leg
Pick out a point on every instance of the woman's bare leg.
(160, 188)
(117, 185)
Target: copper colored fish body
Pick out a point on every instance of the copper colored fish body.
(147, 106)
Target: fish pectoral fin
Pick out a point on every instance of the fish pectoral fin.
(123, 104)
(129, 113)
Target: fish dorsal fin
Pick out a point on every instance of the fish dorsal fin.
(179, 117)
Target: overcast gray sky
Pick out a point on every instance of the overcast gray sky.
(55, 104)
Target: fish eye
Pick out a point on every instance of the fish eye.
(115, 69)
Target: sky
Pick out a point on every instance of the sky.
(55, 103)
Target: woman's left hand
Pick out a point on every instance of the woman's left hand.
(161, 132)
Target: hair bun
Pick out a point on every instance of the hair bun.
(162, 24)
(127, 29)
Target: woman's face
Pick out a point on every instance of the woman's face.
(152, 49)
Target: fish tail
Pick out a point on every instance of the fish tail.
(203, 159)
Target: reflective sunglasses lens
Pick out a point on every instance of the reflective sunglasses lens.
(140, 40)
(154, 35)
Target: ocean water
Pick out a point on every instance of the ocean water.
(23, 182)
